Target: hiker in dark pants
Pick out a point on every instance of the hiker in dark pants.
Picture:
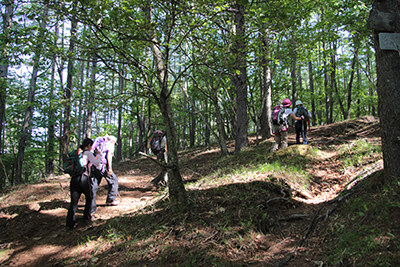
(82, 185)
(162, 157)
(301, 126)
(105, 146)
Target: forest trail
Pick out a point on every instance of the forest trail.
(34, 214)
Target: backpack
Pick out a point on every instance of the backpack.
(155, 142)
(278, 116)
(74, 166)
(301, 111)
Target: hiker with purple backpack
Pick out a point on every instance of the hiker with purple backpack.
(105, 146)
(280, 123)
(301, 126)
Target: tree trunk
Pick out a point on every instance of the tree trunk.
(176, 188)
(240, 80)
(68, 93)
(293, 71)
(121, 85)
(350, 85)
(312, 90)
(385, 17)
(30, 103)
(89, 106)
(265, 87)
(52, 116)
(4, 63)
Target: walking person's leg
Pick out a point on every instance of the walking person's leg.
(305, 141)
(277, 138)
(73, 206)
(297, 127)
(161, 176)
(87, 191)
(284, 139)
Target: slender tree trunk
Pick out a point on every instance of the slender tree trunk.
(333, 80)
(89, 106)
(350, 85)
(312, 90)
(121, 86)
(68, 92)
(4, 62)
(4, 65)
(293, 71)
(51, 141)
(265, 87)
(25, 132)
(177, 191)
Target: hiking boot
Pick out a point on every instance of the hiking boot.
(69, 228)
(164, 183)
(112, 202)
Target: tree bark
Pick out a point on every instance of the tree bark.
(265, 87)
(25, 131)
(176, 188)
(385, 17)
(68, 93)
(240, 80)
(4, 63)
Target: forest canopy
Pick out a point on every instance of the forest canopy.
(204, 71)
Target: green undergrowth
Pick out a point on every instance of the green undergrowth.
(236, 202)
(358, 152)
(365, 233)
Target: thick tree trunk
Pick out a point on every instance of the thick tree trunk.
(240, 80)
(385, 17)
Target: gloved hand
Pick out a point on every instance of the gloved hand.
(302, 117)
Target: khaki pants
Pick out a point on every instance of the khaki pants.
(281, 139)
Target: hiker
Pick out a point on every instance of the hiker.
(280, 124)
(301, 126)
(105, 147)
(158, 145)
(82, 184)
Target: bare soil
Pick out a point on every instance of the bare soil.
(32, 217)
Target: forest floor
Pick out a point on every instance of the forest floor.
(256, 218)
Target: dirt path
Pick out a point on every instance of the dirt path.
(34, 215)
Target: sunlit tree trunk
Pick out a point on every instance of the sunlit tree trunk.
(265, 87)
(68, 93)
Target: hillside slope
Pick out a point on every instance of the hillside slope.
(251, 209)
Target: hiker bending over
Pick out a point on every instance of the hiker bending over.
(158, 145)
(280, 123)
(82, 184)
(105, 146)
(301, 126)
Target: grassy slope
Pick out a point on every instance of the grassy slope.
(260, 209)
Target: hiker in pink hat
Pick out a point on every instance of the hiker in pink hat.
(280, 123)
